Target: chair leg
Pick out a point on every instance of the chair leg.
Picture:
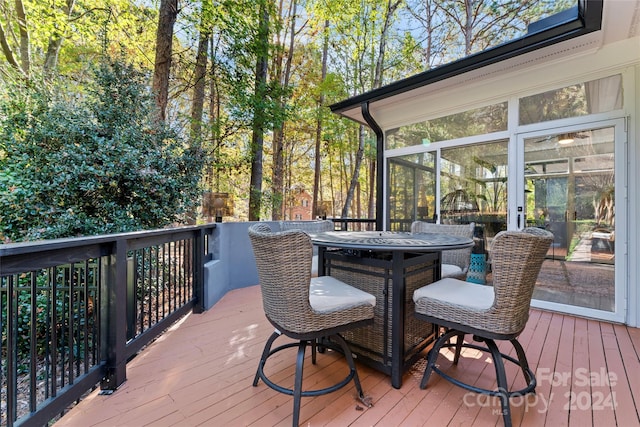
(503, 390)
(351, 363)
(265, 355)
(433, 355)
(314, 345)
(459, 341)
(297, 386)
(524, 365)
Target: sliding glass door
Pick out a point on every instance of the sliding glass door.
(567, 185)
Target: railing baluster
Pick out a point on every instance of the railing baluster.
(71, 315)
(54, 331)
(77, 310)
(11, 352)
(33, 356)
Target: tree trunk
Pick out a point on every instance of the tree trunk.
(55, 42)
(200, 73)
(278, 135)
(316, 173)
(8, 53)
(25, 52)
(214, 120)
(278, 201)
(257, 138)
(377, 82)
(277, 182)
(164, 46)
(356, 169)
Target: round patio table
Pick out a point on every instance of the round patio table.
(390, 241)
(384, 263)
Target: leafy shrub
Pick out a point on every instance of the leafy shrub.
(96, 162)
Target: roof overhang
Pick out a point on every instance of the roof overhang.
(578, 30)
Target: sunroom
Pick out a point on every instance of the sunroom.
(538, 132)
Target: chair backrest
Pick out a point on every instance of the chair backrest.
(283, 260)
(517, 257)
(459, 257)
(315, 226)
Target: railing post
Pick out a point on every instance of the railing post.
(198, 270)
(114, 332)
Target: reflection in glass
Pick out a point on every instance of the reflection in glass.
(595, 96)
(479, 121)
(412, 189)
(570, 191)
(473, 186)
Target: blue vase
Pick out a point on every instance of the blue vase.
(477, 269)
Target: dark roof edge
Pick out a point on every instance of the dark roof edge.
(588, 20)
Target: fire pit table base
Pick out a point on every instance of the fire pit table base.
(396, 339)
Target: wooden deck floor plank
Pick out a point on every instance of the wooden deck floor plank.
(597, 376)
(629, 340)
(467, 412)
(532, 340)
(251, 403)
(200, 374)
(579, 416)
(412, 397)
(147, 414)
(457, 401)
(329, 370)
(556, 413)
(345, 396)
(537, 407)
(258, 401)
(229, 393)
(435, 392)
(625, 387)
(384, 398)
(342, 406)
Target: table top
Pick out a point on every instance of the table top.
(390, 240)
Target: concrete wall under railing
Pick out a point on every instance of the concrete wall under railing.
(233, 265)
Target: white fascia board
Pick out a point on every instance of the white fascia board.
(532, 74)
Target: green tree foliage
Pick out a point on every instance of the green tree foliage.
(65, 36)
(96, 164)
(317, 53)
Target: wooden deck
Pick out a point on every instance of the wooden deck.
(200, 374)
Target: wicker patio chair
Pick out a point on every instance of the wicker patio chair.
(304, 308)
(455, 263)
(488, 313)
(316, 226)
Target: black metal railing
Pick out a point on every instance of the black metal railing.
(354, 224)
(74, 311)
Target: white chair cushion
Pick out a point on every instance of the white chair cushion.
(314, 266)
(328, 294)
(449, 270)
(456, 291)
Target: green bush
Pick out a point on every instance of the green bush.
(92, 162)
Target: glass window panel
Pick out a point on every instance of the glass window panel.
(595, 163)
(479, 121)
(547, 167)
(473, 186)
(595, 96)
(412, 190)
